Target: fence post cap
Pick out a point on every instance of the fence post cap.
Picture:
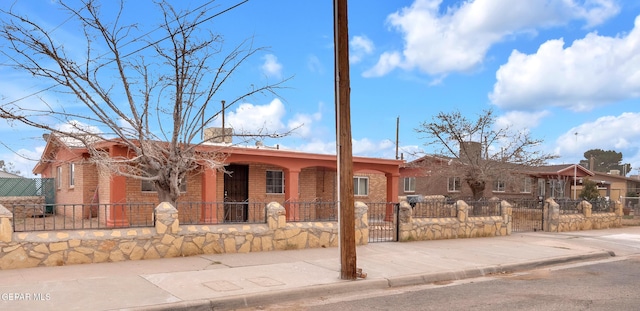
(166, 207)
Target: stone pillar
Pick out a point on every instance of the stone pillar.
(276, 216)
(586, 208)
(406, 213)
(617, 208)
(506, 210)
(167, 219)
(362, 223)
(463, 210)
(551, 215)
(406, 221)
(6, 224)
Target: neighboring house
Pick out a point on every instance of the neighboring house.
(613, 185)
(4, 174)
(558, 181)
(430, 175)
(260, 174)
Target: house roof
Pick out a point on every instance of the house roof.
(545, 171)
(4, 174)
(54, 143)
(239, 154)
(571, 170)
(617, 178)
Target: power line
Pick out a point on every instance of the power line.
(138, 38)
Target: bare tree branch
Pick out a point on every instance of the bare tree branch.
(482, 152)
(154, 102)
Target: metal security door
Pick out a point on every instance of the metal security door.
(236, 193)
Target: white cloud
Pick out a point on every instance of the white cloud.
(518, 120)
(360, 46)
(24, 160)
(366, 147)
(253, 119)
(620, 133)
(318, 146)
(314, 64)
(302, 124)
(271, 118)
(75, 126)
(593, 71)
(271, 67)
(361, 147)
(458, 39)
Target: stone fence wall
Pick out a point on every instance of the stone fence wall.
(167, 239)
(585, 220)
(462, 226)
(24, 206)
(170, 239)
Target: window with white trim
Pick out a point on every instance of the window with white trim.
(499, 185)
(527, 184)
(275, 182)
(409, 184)
(59, 177)
(453, 184)
(72, 172)
(361, 186)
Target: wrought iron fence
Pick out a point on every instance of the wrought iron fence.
(568, 206)
(311, 211)
(50, 217)
(434, 209)
(526, 203)
(631, 205)
(571, 206)
(484, 207)
(601, 205)
(195, 213)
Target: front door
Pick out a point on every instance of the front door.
(236, 193)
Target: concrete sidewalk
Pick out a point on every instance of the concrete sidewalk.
(230, 281)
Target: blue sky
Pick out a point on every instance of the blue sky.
(566, 70)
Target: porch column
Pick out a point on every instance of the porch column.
(291, 193)
(392, 193)
(209, 196)
(117, 213)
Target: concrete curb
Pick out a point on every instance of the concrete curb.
(423, 279)
(342, 287)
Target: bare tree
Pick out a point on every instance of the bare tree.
(154, 100)
(477, 151)
(8, 167)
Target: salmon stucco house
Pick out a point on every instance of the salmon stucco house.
(260, 174)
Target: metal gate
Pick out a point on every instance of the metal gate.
(383, 222)
(527, 215)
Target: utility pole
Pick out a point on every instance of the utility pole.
(397, 135)
(348, 264)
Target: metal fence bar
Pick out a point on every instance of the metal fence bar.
(49, 217)
(527, 214)
(434, 209)
(568, 206)
(311, 211)
(383, 221)
(201, 213)
(483, 208)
